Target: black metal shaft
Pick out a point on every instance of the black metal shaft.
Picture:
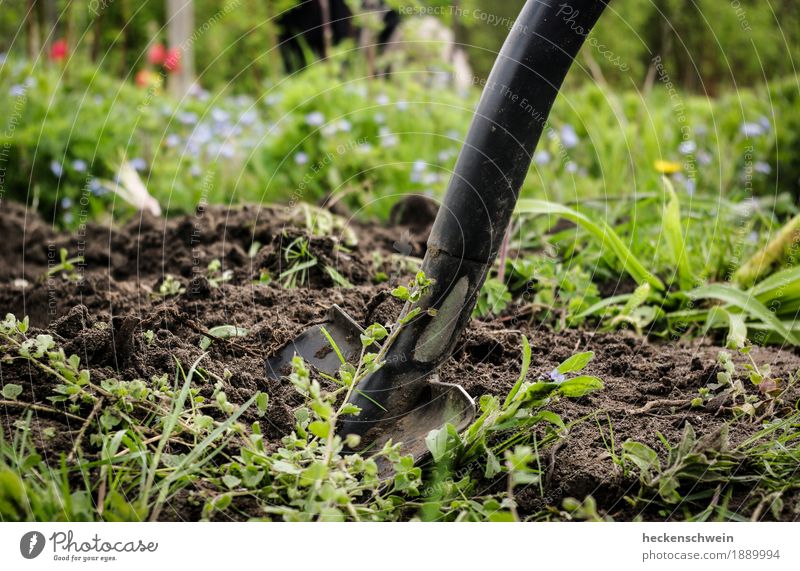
(480, 200)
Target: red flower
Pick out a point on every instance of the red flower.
(59, 50)
(157, 54)
(172, 62)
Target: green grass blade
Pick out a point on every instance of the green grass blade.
(673, 232)
(747, 303)
(602, 232)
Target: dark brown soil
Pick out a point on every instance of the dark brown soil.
(103, 314)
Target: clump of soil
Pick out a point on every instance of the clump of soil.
(106, 311)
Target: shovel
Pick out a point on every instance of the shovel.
(404, 400)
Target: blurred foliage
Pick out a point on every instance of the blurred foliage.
(707, 45)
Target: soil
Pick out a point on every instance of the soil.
(102, 313)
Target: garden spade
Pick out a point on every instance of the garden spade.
(405, 400)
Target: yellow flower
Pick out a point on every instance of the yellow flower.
(667, 167)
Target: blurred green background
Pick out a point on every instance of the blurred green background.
(88, 86)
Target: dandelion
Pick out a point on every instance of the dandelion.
(569, 138)
(541, 157)
(301, 158)
(56, 168)
(667, 167)
(315, 119)
(762, 167)
(79, 165)
(687, 147)
(557, 377)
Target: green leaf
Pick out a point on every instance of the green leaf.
(222, 332)
(262, 401)
(526, 362)
(579, 386)
(644, 457)
(11, 391)
(601, 231)
(737, 329)
(231, 481)
(747, 303)
(575, 363)
(319, 429)
(436, 441)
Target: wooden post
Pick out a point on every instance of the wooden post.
(180, 27)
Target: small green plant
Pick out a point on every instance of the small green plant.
(493, 298)
(67, 267)
(170, 287)
(299, 260)
(215, 275)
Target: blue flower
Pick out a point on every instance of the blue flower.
(380, 118)
(219, 115)
(568, 136)
(571, 167)
(382, 99)
(66, 202)
(79, 165)
(315, 119)
(765, 124)
(226, 150)
(172, 140)
(751, 129)
(344, 125)
(402, 105)
(541, 157)
(195, 171)
(687, 147)
(557, 377)
(691, 186)
(704, 158)
(56, 168)
(301, 158)
(187, 117)
(97, 188)
(248, 117)
(138, 164)
(762, 167)
(17, 91)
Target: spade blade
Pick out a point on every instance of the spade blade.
(315, 348)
